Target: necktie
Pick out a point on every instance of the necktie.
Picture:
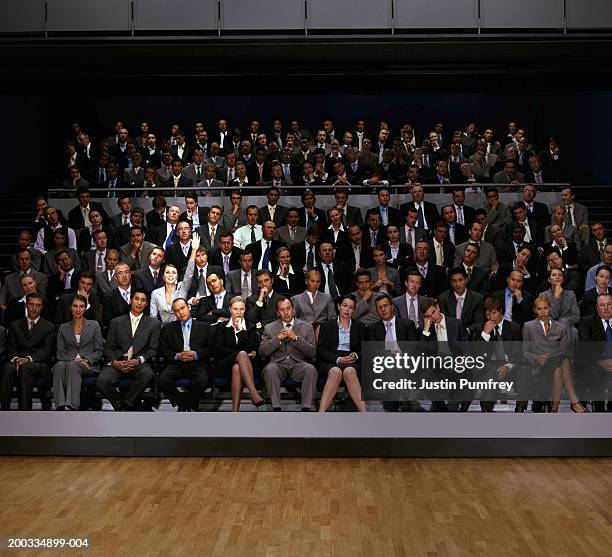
(125, 296)
(198, 173)
(102, 177)
(218, 299)
(310, 258)
(469, 274)
(439, 255)
(331, 281)
(265, 263)
(373, 239)
(601, 250)
(388, 332)
(421, 219)
(292, 232)
(100, 263)
(186, 336)
(272, 211)
(170, 239)
(231, 174)
(154, 277)
(459, 308)
(412, 311)
(213, 229)
(246, 291)
(253, 238)
(460, 215)
(609, 331)
(134, 325)
(226, 268)
(201, 278)
(31, 325)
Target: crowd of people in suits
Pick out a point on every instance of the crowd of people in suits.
(289, 293)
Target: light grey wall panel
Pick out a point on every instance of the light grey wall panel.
(436, 14)
(239, 15)
(530, 14)
(89, 15)
(595, 14)
(178, 15)
(349, 14)
(22, 17)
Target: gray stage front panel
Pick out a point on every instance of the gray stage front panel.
(245, 15)
(589, 14)
(178, 15)
(349, 14)
(25, 16)
(89, 15)
(436, 14)
(521, 14)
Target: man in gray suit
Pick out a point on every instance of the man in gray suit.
(288, 342)
(136, 253)
(365, 310)
(12, 289)
(576, 213)
(498, 213)
(210, 232)
(242, 282)
(209, 181)
(195, 170)
(291, 233)
(131, 342)
(407, 306)
(487, 259)
(105, 280)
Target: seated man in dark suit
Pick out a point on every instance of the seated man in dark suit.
(65, 281)
(261, 307)
(87, 283)
(478, 280)
(131, 342)
(388, 215)
(457, 232)
(184, 344)
(226, 255)
(31, 342)
(336, 278)
(117, 301)
(427, 213)
(215, 307)
(515, 304)
(535, 210)
(78, 217)
(151, 277)
(304, 254)
(434, 277)
(264, 250)
(272, 210)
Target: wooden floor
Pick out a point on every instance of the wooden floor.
(313, 508)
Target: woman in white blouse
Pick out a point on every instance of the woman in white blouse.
(162, 298)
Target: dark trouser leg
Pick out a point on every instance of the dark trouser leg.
(199, 379)
(167, 383)
(142, 377)
(7, 381)
(25, 380)
(108, 378)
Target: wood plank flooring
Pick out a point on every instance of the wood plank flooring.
(311, 507)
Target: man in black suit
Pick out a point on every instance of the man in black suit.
(355, 254)
(309, 214)
(304, 254)
(534, 230)
(65, 281)
(462, 303)
(226, 256)
(156, 217)
(215, 307)
(180, 251)
(123, 234)
(261, 307)
(264, 251)
(151, 277)
(288, 280)
(259, 170)
(336, 277)
(78, 217)
(185, 345)
(596, 332)
(373, 232)
(477, 279)
(515, 304)
(117, 301)
(172, 186)
(87, 282)
(464, 213)
(181, 151)
(125, 208)
(391, 329)
(131, 343)
(535, 210)
(593, 250)
(457, 233)
(434, 276)
(388, 215)
(202, 270)
(427, 212)
(502, 340)
(535, 174)
(272, 210)
(441, 249)
(31, 342)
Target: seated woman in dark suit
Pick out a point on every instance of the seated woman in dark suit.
(79, 351)
(235, 347)
(546, 348)
(335, 234)
(398, 254)
(338, 351)
(588, 304)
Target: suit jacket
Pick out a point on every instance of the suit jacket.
(216, 258)
(455, 332)
(342, 277)
(327, 346)
(420, 234)
(39, 343)
(405, 331)
(56, 287)
(113, 305)
(63, 313)
(143, 280)
(75, 216)
(265, 314)
(448, 250)
(153, 220)
(322, 309)
(486, 260)
(227, 344)
(321, 218)
(590, 253)
(430, 212)
(299, 256)
(133, 178)
(90, 347)
(346, 254)
(535, 342)
(352, 216)
(256, 250)
(171, 191)
(401, 310)
(176, 257)
(208, 242)
(207, 304)
(393, 275)
(472, 313)
(205, 187)
(141, 260)
(536, 230)
(12, 288)
(280, 215)
(282, 235)
(233, 282)
(190, 172)
(303, 349)
(500, 216)
(14, 310)
(116, 222)
(196, 284)
(479, 281)
(588, 304)
(103, 285)
(394, 215)
(405, 256)
(297, 283)
(540, 213)
(521, 313)
(121, 235)
(119, 338)
(328, 235)
(36, 260)
(187, 152)
(434, 283)
(461, 233)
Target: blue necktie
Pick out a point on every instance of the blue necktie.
(608, 331)
(421, 219)
(170, 239)
(266, 257)
(608, 350)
